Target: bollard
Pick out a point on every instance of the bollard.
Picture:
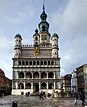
(15, 104)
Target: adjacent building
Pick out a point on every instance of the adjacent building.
(82, 78)
(73, 82)
(5, 84)
(36, 67)
(66, 85)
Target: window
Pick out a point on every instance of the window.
(36, 38)
(43, 28)
(26, 62)
(37, 62)
(23, 63)
(44, 37)
(34, 63)
(41, 62)
(45, 63)
(30, 62)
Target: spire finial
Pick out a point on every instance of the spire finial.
(43, 5)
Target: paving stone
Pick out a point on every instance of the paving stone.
(23, 101)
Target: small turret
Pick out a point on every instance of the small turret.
(18, 44)
(36, 38)
(55, 45)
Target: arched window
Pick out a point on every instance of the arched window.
(43, 75)
(36, 38)
(51, 86)
(26, 62)
(30, 62)
(45, 63)
(21, 75)
(28, 86)
(34, 63)
(48, 62)
(50, 75)
(28, 75)
(43, 86)
(37, 62)
(52, 62)
(36, 75)
(20, 86)
(23, 63)
(19, 62)
(43, 28)
(41, 62)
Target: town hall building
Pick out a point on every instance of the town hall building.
(36, 67)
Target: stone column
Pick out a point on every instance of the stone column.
(39, 85)
(24, 84)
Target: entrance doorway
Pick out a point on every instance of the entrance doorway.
(36, 87)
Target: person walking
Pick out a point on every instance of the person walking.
(82, 97)
(75, 97)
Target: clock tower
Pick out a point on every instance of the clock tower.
(44, 28)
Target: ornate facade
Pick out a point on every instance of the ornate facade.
(36, 67)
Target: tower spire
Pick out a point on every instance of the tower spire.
(43, 5)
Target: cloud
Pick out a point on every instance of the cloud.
(6, 47)
(71, 25)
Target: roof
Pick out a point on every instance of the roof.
(1, 71)
(55, 35)
(18, 35)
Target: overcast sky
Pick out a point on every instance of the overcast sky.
(67, 18)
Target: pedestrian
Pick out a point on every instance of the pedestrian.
(41, 95)
(82, 97)
(75, 97)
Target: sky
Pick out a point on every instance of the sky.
(67, 18)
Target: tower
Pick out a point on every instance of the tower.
(55, 45)
(36, 38)
(43, 28)
(36, 67)
(18, 43)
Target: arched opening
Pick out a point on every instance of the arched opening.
(48, 62)
(43, 28)
(26, 62)
(30, 62)
(51, 86)
(52, 62)
(19, 62)
(50, 75)
(43, 86)
(34, 63)
(43, 75)
(41, 62)
(28, 75)
(36, 87)
(45, 63)
(21, 75)
(37, 62)
(36, 75)
(23, 63)
(36, 38)
(28, 86)
(20, 86)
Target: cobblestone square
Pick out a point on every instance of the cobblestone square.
(34, 101)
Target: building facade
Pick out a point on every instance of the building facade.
(66, 86)
(5, 84)
(73, 81)
(82, 78)
(36, 67)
